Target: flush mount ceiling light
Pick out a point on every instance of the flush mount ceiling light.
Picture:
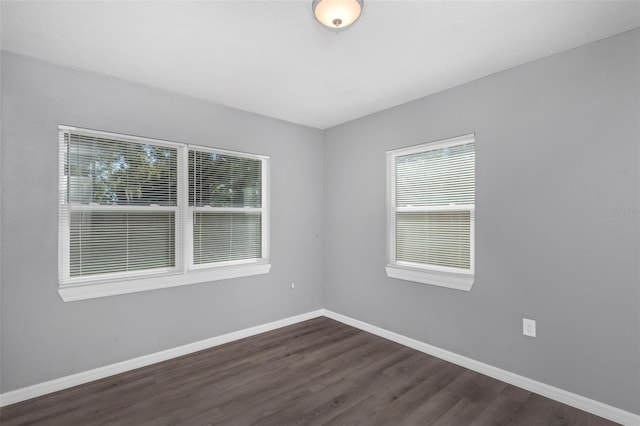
(337, 13)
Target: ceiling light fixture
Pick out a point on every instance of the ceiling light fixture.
(337, 13)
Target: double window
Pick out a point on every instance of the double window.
(137, 214)
(431, 213)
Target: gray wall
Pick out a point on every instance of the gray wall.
(557, 145)
(44, 338)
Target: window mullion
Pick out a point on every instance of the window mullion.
(265, 208)
(63, 208)
(391, 203)
(184, 218)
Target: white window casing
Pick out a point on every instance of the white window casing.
(431, 213)
(126, 217)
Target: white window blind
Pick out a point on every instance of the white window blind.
(434, 238)
(134, 208)
(225, 196)
(432, 206)
(103, 242)
(438, 177)
(119, 205)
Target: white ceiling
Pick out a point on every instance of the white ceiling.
(273, 58)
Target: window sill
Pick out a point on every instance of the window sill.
(441, 279)
(96, 290)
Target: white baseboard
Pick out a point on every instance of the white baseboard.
(589, 405)
(55, 385)
(585, 404)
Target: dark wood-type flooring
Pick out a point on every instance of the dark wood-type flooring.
(318, 372)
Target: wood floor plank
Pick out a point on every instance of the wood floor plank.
(253, 405)
(497, 412)
(404, 403)
(317, 372)
(433, 408)
(516, 393)
(306, 408)
(462, 413)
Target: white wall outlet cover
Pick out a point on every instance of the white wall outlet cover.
(529, 327)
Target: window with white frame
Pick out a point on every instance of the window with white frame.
(431, 213)
(138, 214)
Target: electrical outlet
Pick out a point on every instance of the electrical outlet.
(529, 327)
(293, 285)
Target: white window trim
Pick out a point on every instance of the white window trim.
(453, 278)
(70, 293)
(184, 273)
